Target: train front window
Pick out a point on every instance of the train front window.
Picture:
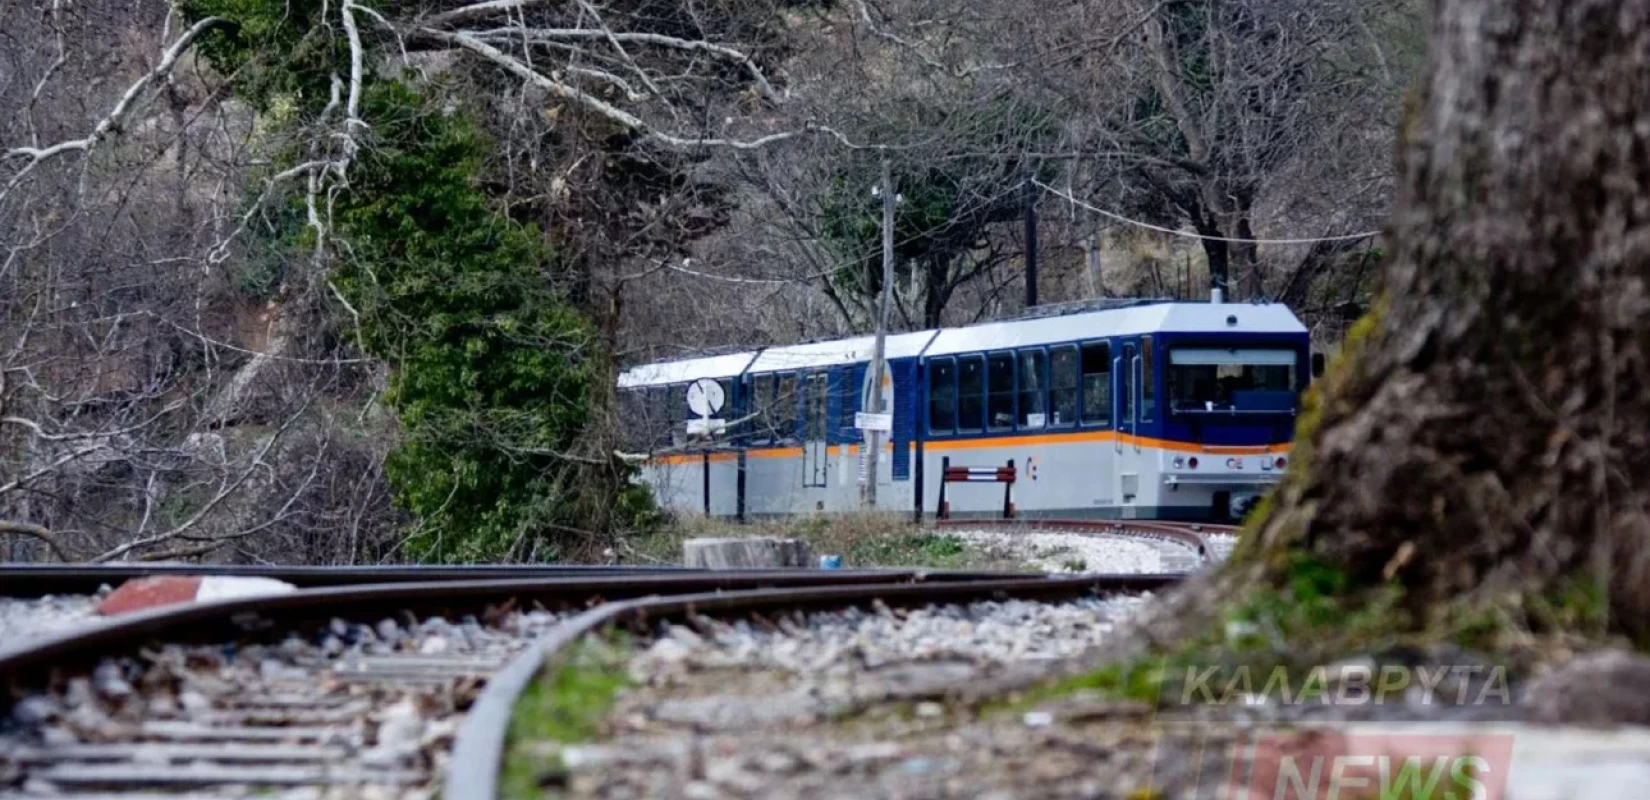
(1252, 380)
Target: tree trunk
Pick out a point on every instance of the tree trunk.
(1484, 441)
(745, 553)
(1217, 252)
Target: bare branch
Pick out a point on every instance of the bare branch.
(618, 37)
(115, 120)
(37, 532)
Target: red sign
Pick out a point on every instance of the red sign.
(1336, 766)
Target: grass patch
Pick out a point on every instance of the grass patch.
(1304, 624)
(863, 541)
(1141, 681)
(565, 705)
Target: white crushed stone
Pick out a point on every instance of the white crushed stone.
(1220, 545)
(984, 633)
(23, 620)
(1053, 551)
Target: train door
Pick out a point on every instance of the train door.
(815, 430)
(1125, 369)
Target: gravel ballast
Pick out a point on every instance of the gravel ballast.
(1056, 551)
(26, 620)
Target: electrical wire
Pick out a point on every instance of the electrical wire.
(1351, 237)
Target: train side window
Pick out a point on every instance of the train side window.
(849, 389)
(942, 396)
(1096, 383)
(999, 368)
(1148, 402)
(970, 393)
(1033, 366)
(1062, 386)
(785, 407)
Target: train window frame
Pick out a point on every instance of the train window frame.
(992, 392)
(979, 424)
(1107, 350)
(930, 367)
(1022, 418)
(1075, 387)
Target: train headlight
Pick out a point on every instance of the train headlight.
(1234, 463)
(1179, 463)
(1192, 463)
(1282, 462)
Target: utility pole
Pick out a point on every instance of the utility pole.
(1031, 239)
(879, 360)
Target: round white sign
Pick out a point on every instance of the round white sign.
(705, 397)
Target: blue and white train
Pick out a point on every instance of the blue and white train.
(1133, 410)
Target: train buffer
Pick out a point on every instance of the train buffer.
(1004, 475)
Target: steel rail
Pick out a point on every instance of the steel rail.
(478, 751)
(22, 665)
(36, 580)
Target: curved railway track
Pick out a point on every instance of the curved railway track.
(393, 689)
(1197, 544)
(35, 580)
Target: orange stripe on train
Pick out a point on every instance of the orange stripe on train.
(1075, 437)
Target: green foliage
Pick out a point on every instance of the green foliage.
(273, 49)
(565, 705)
(493, 374)
(1579, 603)
(492, 370)
(271, 247)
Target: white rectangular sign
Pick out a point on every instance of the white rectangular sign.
(874, 422)
(706, 427)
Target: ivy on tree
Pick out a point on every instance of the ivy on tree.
(493, 375)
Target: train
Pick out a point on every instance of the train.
(1143, 409)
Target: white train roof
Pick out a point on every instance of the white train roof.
(842, 351)
(1129, 321)
(691, 369)
(1133, 321)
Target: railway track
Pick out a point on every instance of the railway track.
(35, 580)
(1184, 546)
(385, 690)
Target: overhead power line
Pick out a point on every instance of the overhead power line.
(1351, 237)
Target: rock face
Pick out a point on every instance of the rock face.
(745, 553)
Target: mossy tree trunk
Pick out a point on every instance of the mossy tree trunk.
(1485, 440)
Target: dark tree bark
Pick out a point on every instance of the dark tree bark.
(1486, 439)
